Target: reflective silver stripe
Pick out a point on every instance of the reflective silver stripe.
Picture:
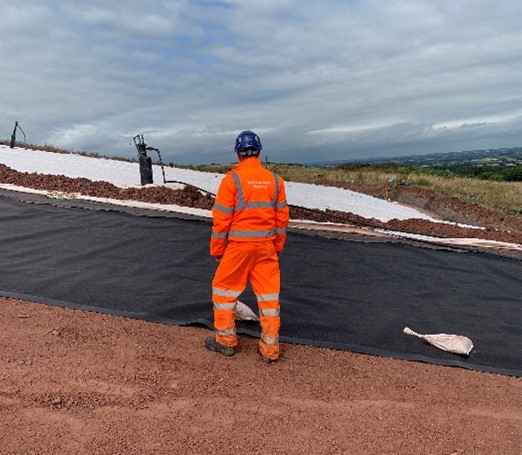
(269, 340)
(276, 193)
(257, 205)
(224, 306)
(227, 333)
(219, 235)
(267, 297)
(240, 196)
(281, 205)
(280, 231)
(222, 208)
(268, 312)
(225, 292)
(252, 234)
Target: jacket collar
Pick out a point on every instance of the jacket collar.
(248, 163)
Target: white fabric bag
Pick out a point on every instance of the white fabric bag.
(456, 344)
(244, 313)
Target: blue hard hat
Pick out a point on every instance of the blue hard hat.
(248, 143)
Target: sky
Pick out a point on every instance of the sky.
(317, 80)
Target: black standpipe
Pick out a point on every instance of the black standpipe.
(13, 136)
(145, 161)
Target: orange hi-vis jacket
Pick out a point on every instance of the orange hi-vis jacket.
(250, 206)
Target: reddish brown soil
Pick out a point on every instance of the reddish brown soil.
(74, 382)
(497, 226)
(188, 197)
(447, 208)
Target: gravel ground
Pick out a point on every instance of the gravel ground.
(73, 382)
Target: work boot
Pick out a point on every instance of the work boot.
(265, 359)
(212, 345)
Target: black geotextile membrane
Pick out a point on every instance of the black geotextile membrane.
(341, 294)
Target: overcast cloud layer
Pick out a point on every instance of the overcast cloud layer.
(317, 80)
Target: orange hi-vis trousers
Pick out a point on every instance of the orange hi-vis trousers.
(258, 263)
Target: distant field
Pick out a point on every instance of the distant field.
(505, 197)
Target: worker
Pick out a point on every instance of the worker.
(250, 217)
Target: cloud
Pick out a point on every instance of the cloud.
(336, 79)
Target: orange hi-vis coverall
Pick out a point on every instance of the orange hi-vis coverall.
(250, 217)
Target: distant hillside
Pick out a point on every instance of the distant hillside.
(491, 157)
(503, 164)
